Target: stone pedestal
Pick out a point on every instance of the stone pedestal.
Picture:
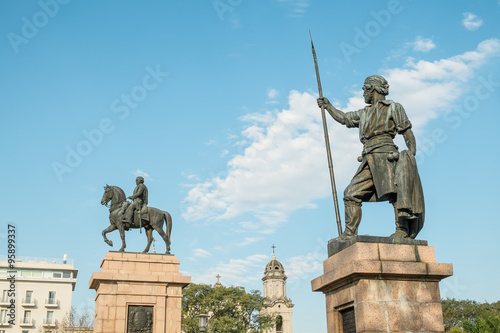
(375, 285)
(137, 291)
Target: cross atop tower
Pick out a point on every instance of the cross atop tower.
(274, 257)
(217, 284)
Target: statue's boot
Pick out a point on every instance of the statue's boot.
(352, 220)
(128, 217)
(401, 224)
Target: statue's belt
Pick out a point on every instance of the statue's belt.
(376, 149)
(382, 144)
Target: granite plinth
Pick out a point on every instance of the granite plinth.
(130, 279)
(336, 245)
(390, 287)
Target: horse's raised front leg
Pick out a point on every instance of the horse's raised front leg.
(105, 231)
(149, 234)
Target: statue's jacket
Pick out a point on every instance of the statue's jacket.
(141, 192)
(378, 126)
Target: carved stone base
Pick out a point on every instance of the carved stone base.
(138, 292)
(382, 287)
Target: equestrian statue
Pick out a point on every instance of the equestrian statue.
(124, 215)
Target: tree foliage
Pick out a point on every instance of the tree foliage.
(470, 316)
(80, 319)
(230, 309)
(485, 323)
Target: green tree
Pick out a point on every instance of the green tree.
(485, 323)
(470, 316)
(455, 312)
(230, 309)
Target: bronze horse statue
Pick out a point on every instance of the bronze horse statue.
(116, 210)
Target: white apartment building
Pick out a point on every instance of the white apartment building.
(41, 293)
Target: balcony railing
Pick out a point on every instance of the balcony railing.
(26, 322)
(49, 322)
(28, 302)
(51, 303)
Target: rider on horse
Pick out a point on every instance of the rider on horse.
(140, 200)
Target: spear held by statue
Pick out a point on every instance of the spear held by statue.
(327, 142)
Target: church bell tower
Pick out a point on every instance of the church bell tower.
(275, 300)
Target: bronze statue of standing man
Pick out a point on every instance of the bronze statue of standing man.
(384, 174)
(139, 198)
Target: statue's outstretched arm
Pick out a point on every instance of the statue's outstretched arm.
(336, 114)
(410, 141)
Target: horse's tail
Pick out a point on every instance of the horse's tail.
(168, 226)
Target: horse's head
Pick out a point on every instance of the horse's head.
(108, 194)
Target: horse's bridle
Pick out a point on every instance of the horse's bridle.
(119, 203)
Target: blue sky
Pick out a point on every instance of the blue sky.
(213, 102)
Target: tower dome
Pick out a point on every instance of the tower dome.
(274, 269)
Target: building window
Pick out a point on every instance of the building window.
(50, 315)
(25, 272)
(52, 297)
(66, 275)
(27, 317)
(24, 331)
(279, 324)
(29, 295)
(57, 275)
(3, 316)
(5, 297)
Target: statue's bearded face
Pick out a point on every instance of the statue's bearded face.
(368, 91)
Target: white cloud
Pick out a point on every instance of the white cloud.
(235, 272)
(200, 253)
(283, 167)
(426, 88)
(249, 240)
(211, 142)
(300, 270)
(303, 266)
(297, 7)
(471, 21)
(141, 173)
(272, 93)
(190, 176)
(423, 44)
